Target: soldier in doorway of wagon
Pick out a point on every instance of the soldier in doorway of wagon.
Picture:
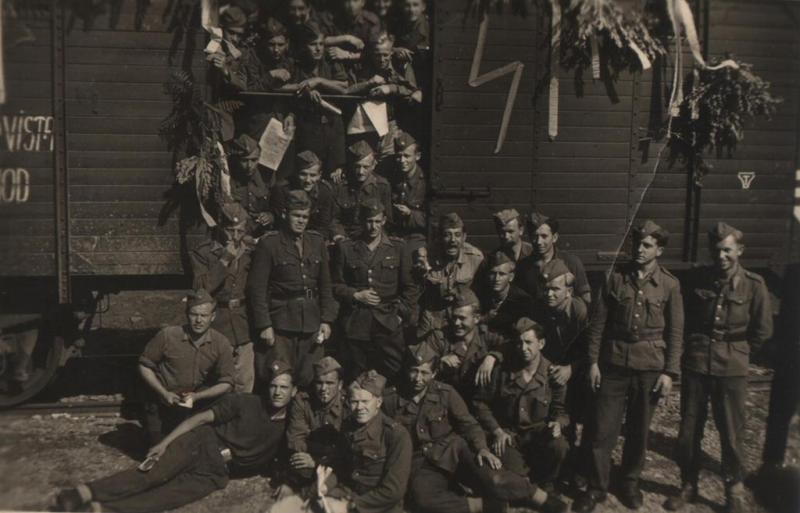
(289, 289)
(372, 281)
(635, 336)
(361, 183)
(451, 265)
(728, 317)
(353, 26)
(544, 233)
(408, 191)
(239, 435)
(248, 187)
(299, 13)
(510, 229)
(307, 177)
(220, 266)
(185, 367)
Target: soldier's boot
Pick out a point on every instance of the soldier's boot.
(631, 496)
(734, 499)
(687, 493)
(73, 499)
(486, 505)
(586, 501)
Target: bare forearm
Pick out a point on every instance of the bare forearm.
(214, 391)
(149, 377)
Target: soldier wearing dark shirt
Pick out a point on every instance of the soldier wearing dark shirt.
(635, 338)
(248, 187)
(408, 190)
(373, 283)
(523, 409)
(299, 13)
(728, 317)
(510, 229)
(353, 27)
(221, 266)
(240, 433)
(289, 290)
(307, 177)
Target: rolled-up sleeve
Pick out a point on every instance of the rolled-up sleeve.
(153, 352)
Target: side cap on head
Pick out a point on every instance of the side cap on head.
(297, 200)
(370, 207)
(499, 258)
(449, 221)
(276, 368)
(198, 297)
(649, 228)
(370, 381)
(233, 213)
(307, 159)
(245, 146)
(326, 365)
(505, 216)
(403, 141)
(273, 28)
(232, 17)
(526, 324)
(421, 353)
(360, 150)
(465, 297)
(553, 269)
(721, 231)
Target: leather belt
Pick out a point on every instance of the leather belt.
(300, 294)
(231, 304)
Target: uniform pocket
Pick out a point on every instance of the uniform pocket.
(655, 313)
(738, 311)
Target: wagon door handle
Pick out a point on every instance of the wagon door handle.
(439, 95)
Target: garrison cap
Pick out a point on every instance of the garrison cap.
(403, 141)
(650, 228)
(245, 146)
(326, 365)
(499, 258)
(360, 150)
(721, 231)
(233, 17)
(370, 381)
(198, 297)
(465, 297)
(506, 215)
(450, 220)
(233, 213)
(297, 200)
(307, 159)
(537, 219)
(370, 207)
(276, 368)
(526, 324)
(421, 353)
(308, 32)
(378, 38)
(553, 269)
(273, 28)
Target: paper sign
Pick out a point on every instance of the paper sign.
(359, 123)
(378, 116)
(273, 143)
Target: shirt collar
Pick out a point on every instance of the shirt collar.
(539, 378)
(204, 338)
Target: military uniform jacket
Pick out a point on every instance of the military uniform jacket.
(528, 274)
(499, 315)
(515, 405)
(436, 423)
(347, 201)
(288, 291)
(726, 320)
(321, 197)
(638, 324)
(379, 465)
(445, 278)
(363, 27)
(387, 271)
(471, 354)
(565, 333)
(254, 195)
(313, 427)
(411, 192)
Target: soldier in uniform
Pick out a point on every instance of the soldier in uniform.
(544, 235)
(220, 267)
(289, 289)
(360, 184)
(504, 302)
(184, 367)
(408, 190)
(352, 26)
(248, 187)
(373, 283)
(523, 408)
(449, 445)
(635, 337)
(308, 177)
(510, 230)
(728, 318)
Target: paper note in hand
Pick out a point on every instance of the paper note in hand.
(378, 116)
(274, 142)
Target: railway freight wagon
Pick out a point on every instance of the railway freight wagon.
(85, 177)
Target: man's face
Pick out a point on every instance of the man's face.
(510, 233)
(327, 386)
(316, 49)
(281, 391)
(501, 276)
(453, 241)
(200, 318)
(421, 376)
(646, 250)
(353, 8)
(530, 346)
(382, 56)
(276, 48)
(544, 239)
(374, 226)
(298, 11)
(464, 320)
(726, 253)
(236, 233)
(362, 169)
(382, 7)
(558, 292)
(408, 159)
(248, 164)
(234, 34)
(297, 220)
(413, 9)
(364, 405)
(309, 177)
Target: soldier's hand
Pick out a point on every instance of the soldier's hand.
(555, 428)
(377, 80)
(268, 336)
(486, 456)
(315, 97)
(300, 460)
(280, 74)
(357, 43)
(337, 176)
(156, 451)
(663, 386)
(451, 360)
(170, 398)
(282, 491)
(368, 297)
(595, 377)
(404, 54)
(501, 440)
(218, 60)
(289, 125)
(484, 374)
(265, 218)
(560, 373)
(404, 210)
(382, 90)
(337, 54)
(324, 333)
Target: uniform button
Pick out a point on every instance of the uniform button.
(719, 307)
(636, 315)
(640, 292)
(369, 271)
(716, 318)
(355, 473)
(369, 280)
(638, 303)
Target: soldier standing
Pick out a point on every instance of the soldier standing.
(408, 189)
(221, 269)
(248, 187)
(372, 281)
(635, 334)
(510, 230)
(290, 294)
(728, 318)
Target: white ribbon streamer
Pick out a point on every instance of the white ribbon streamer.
(555, 51)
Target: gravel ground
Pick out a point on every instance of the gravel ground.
(39, 454)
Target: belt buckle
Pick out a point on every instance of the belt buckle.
(309, 294)
(234, 303)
